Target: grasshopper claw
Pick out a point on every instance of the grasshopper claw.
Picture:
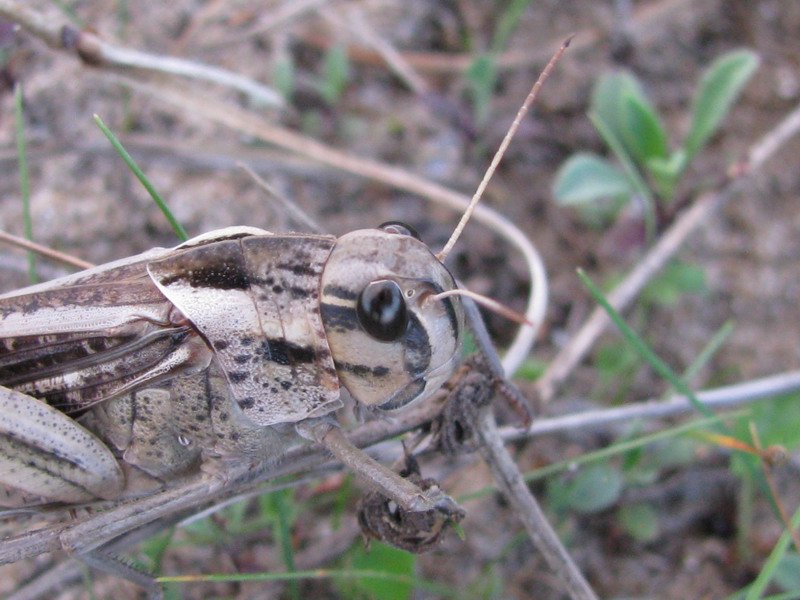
(435, 499)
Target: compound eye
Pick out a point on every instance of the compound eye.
(381, 310)
(399, 228)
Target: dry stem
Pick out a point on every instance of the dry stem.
(96, 52)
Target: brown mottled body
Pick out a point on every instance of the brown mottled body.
(123, 377)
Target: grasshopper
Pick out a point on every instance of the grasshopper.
(228, 348)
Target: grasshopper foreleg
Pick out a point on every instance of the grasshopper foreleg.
(378, 477)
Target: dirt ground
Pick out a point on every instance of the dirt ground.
(85, 202)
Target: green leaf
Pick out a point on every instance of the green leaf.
(607, 99)
(595, 488)
(509, 20)
(642, 131)
(675, 281)
(336, 71)
(481, 78)
(720, 87)
(777, 422)
(665, 172)
(674, 453)
(382, 558)
(640, 521)
(283, 76)
(621, 104)
(787, 574)
(586, 177)
(631, 170)
(530, 370)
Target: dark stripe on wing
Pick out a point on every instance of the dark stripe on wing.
(287, 353)
(219, 277)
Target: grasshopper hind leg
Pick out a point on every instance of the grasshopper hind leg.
(45, 453)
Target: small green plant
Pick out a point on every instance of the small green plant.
(283, 76)
(380, 558)
(481, 76)
(335, 74)
(634, 131)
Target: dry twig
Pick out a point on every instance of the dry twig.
(19, 242)
(96, 52)
(511, 483)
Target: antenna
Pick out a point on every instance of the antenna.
(529, 100)
(487, 302)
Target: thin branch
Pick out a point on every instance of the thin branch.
(33, 21)
(511, 483)
(94, 51)
(658, 256)
(19, 242)
(721, 398)
(510, 480)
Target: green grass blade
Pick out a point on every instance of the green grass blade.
(756, 589)
(283, 531)
(667, 373)
(176, 226)
(658, 365)
(24, 180)
(318, 574)
(708, 352)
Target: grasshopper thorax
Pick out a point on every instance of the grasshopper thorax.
(391, 341)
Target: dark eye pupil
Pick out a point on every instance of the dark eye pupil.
(381, 310)
(399, 228)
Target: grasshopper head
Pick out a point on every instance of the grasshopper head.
(391, 341)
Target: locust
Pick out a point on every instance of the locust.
(212, 351)
(223, 350)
